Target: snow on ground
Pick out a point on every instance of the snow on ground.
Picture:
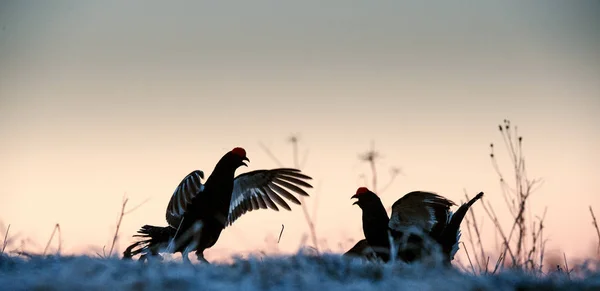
(295, 272)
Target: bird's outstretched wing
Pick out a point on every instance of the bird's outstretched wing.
(187, 189)
(422, 210)
(265, 189)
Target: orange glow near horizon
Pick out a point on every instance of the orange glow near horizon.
(92, 110)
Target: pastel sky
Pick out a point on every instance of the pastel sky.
(101, 99)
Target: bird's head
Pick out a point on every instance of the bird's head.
(365, 197)
(238, 156)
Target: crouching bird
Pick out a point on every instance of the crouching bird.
(421, 224)
(361, 249)
(197, 213)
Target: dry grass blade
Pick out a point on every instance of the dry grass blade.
(477, 233)
(522, 244)
(280, 233)
(5, 242)
(116, 235)
(309, 221)
(499, 262)
(271, 155)
(469, 257)
(595, 223)
(567, 266)
(56, 228)
(118, 227)
(293, 139)
(371, 157)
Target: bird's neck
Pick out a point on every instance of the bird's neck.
(220, 183)
(375, 224)
(375, 213)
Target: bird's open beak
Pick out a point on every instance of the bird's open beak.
(245, 159)
(354, 196)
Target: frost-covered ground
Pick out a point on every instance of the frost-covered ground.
(297, 272)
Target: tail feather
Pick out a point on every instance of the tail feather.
(451, 233)
(153, 238)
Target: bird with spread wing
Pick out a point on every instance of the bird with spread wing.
(421, 224)
(197, 213)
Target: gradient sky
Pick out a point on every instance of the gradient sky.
(101, 99)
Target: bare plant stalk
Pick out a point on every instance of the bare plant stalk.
(469, 257)
(596, 227)
(506, 245)
(119, 221)
(567, 266)
(476, 228)
(394, 172)
(374, 174)
(472, 243)
(499, 262)
(5, 240)
(280, 233)
(311, 226)
(54, 230)
(271, 155)
(309, 221)
(516, 198)
(116, 235)
(371, 157)
(316, 202)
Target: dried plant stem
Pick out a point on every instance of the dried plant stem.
(307, 217)
(309, 221)
(371, 157)
(5, 240)
(477, 232)
(595, 223)
(469, 258)
(567, 266)
(54, 230)
(523, 242)
(116, 235)
(280, 233)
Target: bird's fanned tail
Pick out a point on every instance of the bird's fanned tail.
(153, 238)
(451, 234)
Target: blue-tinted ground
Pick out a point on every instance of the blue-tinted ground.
(297, 272)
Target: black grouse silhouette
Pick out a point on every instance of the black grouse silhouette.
(421, 224)
(361, 249)
(197, 213)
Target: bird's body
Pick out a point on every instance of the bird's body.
(361, 249)
(375, 224)
(197, 214)
(208, 211)
(421, 225)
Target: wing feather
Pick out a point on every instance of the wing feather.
(281, 191)
(254, 202)
(263, 189)
(277, 199)
(290, 186)
(294, 180)
(268, 201)
(261, 202)
(421, 209)
(187, 189)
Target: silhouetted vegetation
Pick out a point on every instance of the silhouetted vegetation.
(519, 262)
